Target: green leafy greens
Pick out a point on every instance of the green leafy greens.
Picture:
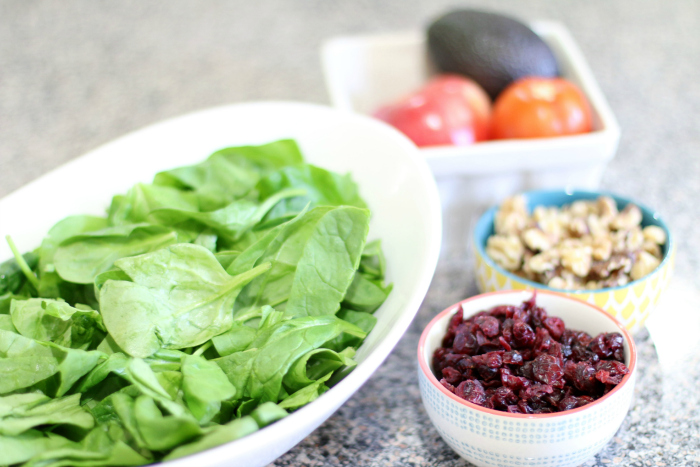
(199, 309)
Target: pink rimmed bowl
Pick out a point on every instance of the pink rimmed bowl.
(491, 438)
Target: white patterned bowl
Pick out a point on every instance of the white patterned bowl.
(490, 438)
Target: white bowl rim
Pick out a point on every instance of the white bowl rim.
(425, 366)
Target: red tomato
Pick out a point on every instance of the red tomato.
(540, 107)
(450, 109)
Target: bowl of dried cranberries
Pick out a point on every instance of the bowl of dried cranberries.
(514, 378)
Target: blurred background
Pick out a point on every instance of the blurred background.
(76, 74)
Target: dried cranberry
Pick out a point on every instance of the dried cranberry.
(583, 338)
(610, 372)
(583, 354)
(513, 409)
(556, 351)
(447, 385)
(582, 376)
(547, 370)
(525, 370)
(524, 407)
(538, 317)
(489, 325)
(512, 382)
(568, 337)
(471, 391)
(503, 311)
(465, 342)
(504, 344)
(465, 364)
(512, 357)
(503, 397)
(543, 341)
(507, 331)
(451, 375)
(573, 402)
(535, 392)
(555, 326)
(523, 335)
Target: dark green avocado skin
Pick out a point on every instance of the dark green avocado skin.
(490, 48)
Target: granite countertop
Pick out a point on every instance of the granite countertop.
(76, 74)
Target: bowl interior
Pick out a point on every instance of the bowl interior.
(485, 226)
(577, 315)
(392, 177)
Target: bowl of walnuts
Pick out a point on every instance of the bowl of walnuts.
(599, 247)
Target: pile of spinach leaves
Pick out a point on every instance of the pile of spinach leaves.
(201, 308)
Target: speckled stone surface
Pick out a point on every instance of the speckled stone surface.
(75, 74)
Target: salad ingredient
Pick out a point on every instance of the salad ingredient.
(450, 109)
(178, 297)
(540, 107)
(588, 244)
(520, 360)
(201, 308)
(492, 49)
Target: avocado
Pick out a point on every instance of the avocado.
(492, 49)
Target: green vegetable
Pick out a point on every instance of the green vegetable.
(180, 297)
(11, 275)
(56, 321)
(82, 257)
(202, 308)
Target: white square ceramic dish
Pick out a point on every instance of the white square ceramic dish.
(365, 72)
(392, 177)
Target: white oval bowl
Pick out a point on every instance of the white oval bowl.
(392, 176)
(491, 438)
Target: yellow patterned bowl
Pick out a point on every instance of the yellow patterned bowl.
(631, 304)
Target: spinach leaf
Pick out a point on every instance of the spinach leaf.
(230, 173)
(162, 432)
(11, 276)
(315, 365)
(82, 257)
(21, 448)
(306, 394)
(6, 323)
(322, 187)
(6, 302)
(50, 283)
(204, 400)
(313, 260)
(230, 222)
(258, 371)
(29, 412)
(142, 199)
(102, 446)
(373, 263)
(221, 434)
(180, 297)
(365, 294)
(26, 362)
(361, 319)
(58, 322)
(262, 416)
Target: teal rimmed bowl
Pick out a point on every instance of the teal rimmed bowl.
(631, 303)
